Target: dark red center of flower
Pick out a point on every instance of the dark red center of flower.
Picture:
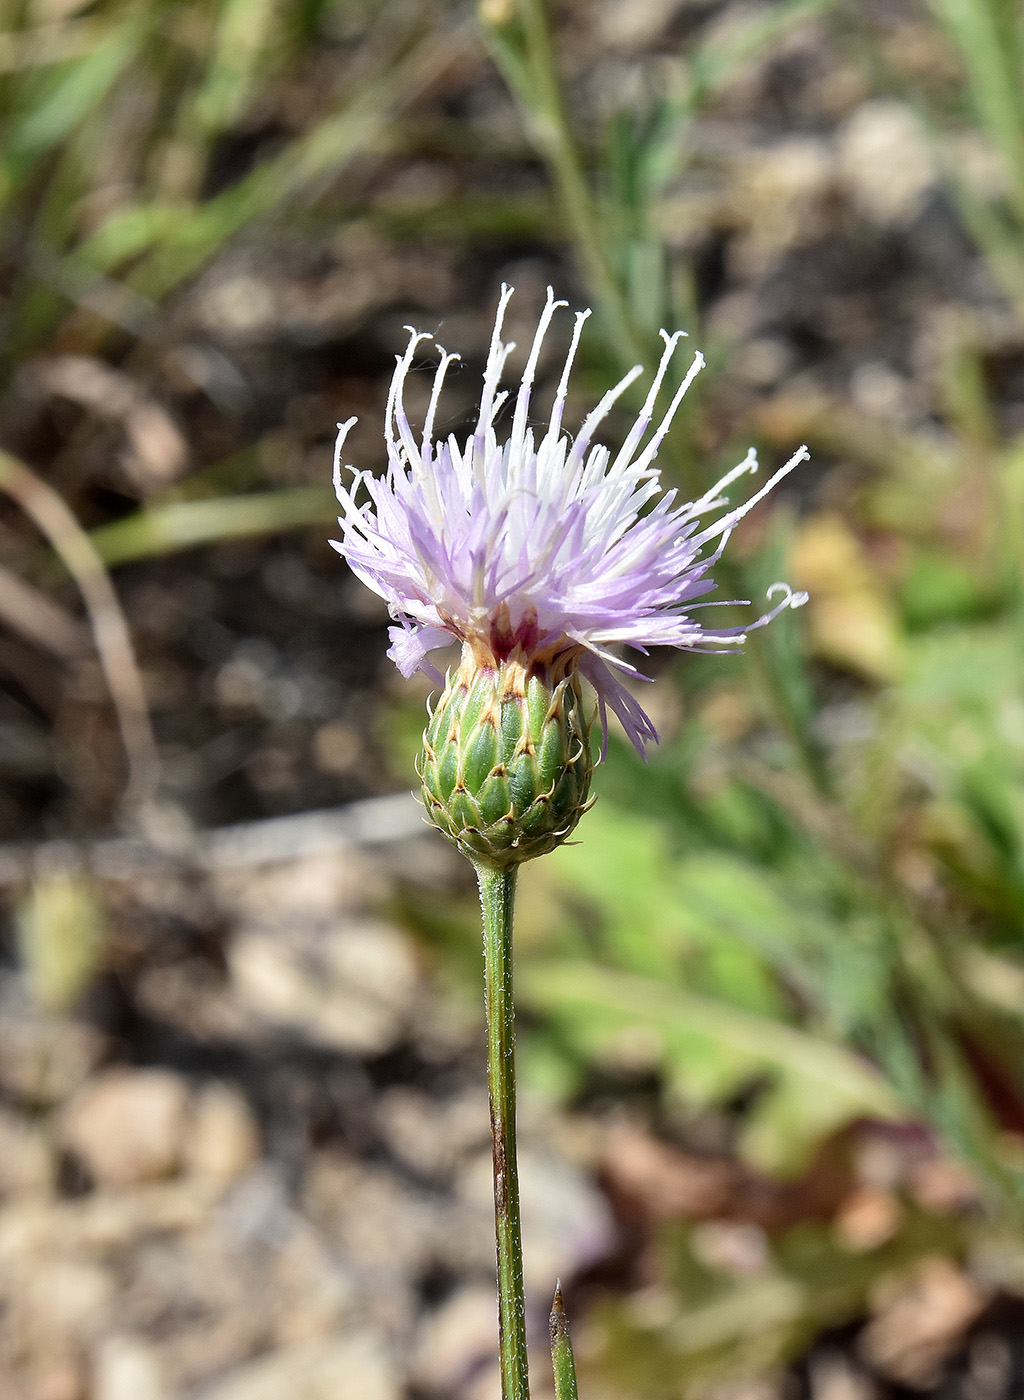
(505, 638)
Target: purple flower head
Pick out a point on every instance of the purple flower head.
(544, 542)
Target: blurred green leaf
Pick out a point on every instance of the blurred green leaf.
(990, 37)
(940, 589)
(63, 96)
(166, 529)
(62, 932)
(711, 1048)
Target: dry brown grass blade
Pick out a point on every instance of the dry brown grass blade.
(48, 511)
(45, 623)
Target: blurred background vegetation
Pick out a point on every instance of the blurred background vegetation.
(787, 953)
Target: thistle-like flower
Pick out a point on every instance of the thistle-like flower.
(543, 555)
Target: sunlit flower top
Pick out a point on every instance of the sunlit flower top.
(543, 541)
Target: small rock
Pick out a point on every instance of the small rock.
(26, 1162)
(779, 192)
(432, 1136)
(127, 1126)
(662, 1182)
(887, 161)
(945, 1187)
(356, 1366)
(868, 1217)
(379, 1220)
(223, 1140)
(126, 1368)
(457, 1341)
(565, 1220)
(835, 1377)
(257, 1212)
(337, 747)
(240, 305)
(43, 1057)
(770, 1387)
(59, 1378)
(734, 1247)
(58, 1300)
(487, 1386)
(921, 1323)
(312, 1287)
(349, 985)
(636, 25)
(316, 886)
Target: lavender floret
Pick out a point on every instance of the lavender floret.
(544, 545)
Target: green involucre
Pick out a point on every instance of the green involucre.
(506, 761)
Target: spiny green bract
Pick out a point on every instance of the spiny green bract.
(506, 762)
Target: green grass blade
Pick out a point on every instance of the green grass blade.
(243, 34)
(68, 97)
(990, 38)
(183, 239)
(167, 529)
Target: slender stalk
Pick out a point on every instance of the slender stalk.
(497, 900)
(560, 148)
(527, 59)
(52, 517)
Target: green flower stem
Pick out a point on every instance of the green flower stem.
(497, 900)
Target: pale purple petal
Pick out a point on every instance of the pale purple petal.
(544, 541)
(612, 694)
(410, 648)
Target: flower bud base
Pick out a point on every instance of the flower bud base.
(506, 761)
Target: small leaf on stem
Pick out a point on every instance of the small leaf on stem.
(561, 1350)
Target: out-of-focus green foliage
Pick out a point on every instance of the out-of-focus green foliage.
(167, 527)
(988, 36)
(114, 129)
(61, 930)
(730, 1325)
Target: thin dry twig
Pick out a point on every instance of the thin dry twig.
(38, 618)
(48, 511)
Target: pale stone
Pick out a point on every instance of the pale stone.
(920, 1322)
(240, 305)
(867, 1218)
(102, 1220)
(43, 1057)
(127, 1125)
(887, 162)
(777, 196)
(319, 884)
(430, 1136)
(487, 1386)
(566, 1222)
(223, 1140)
(835, 1377)
(58, 1299)
(735, 1247)
(351, 986)
(457, 1340)
(126, 1368)
(57, 1378)
(26, 1160)
(315, 1291)
(350, 1368)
